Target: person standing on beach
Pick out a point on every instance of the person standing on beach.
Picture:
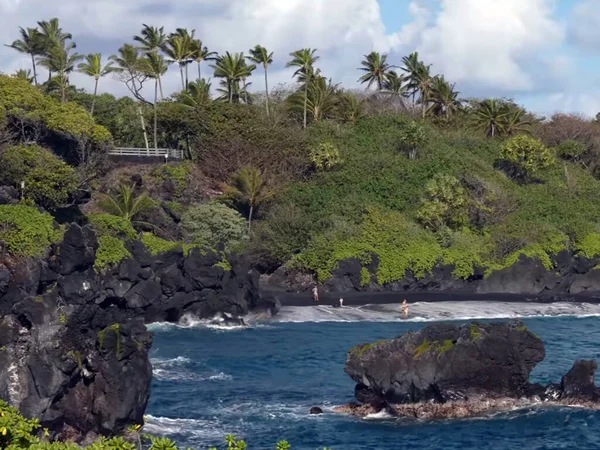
(405, 309)
(315, 292)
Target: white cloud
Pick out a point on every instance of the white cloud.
(493, 47)
(585, 26)
(342, 30)
(484, 43)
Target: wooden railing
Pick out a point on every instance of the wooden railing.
(147, 152)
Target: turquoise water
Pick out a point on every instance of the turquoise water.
(259, 384)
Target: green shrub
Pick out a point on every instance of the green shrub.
(399, 244)
(446, 203)
(527, 154)
(157, 245)
(325, 155)
(111, 251)
(49, 181)
(589, 246)
(115, 226)
(213, 223)
(413, 138)
(571, 150)
(178, 173)
(27, 231)
(23, 101)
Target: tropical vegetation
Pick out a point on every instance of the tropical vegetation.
(401, 172)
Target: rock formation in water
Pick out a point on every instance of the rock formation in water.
(73, 344)
(448, 371)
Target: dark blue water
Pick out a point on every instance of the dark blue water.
(259, 384)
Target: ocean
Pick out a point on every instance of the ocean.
(259, 382)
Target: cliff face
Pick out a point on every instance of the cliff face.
(73, 344)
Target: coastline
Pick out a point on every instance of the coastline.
(358, 298)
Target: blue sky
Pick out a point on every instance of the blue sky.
(543, 53)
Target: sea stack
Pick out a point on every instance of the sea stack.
(449, 371)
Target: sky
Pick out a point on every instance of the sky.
(544, 54)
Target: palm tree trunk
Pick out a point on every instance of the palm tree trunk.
(305, 100)
(34, 70)
(94, 97)
(162, 97)
(186, 76)
(250, 216)
(182, 79)
(144, 128)
(493, 130)
(199, 71)
(155, 114)
(267, 91)
(63, 90)
(230, 91)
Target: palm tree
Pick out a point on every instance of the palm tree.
(179, 49)
(59, 59)
(152, 39)
(260, 55)
(94, 68)
(351, 108)
(444, 98)
(304, 59)
(232, 68)
(322, 99)
(394, 84)
(423, 85)
(376, 68)
(126, 204)
(249, 188)
(412, 66)
(514, 123)
(51, 35)
(490, 115)
(200, 54)
(196, 94)
(154, 66)
(24, 74)
(31, 43)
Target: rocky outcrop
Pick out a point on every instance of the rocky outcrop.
(73, 341)
(448, 371)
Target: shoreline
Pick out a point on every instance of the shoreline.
(387, 298)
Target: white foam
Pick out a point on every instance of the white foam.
(381, 415)
(174, 369)
(197, 429)
(435, 311)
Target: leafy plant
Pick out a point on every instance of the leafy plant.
(446, 203)
(126, 204)
(213, 223)
(26, 231)
(49, 181)
(413, 138)
(157, 245)
(250, 189)
(325, 155)
(527, 155)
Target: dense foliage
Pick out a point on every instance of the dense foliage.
(25, 231)
(49, 181)
(214, 223)
(403, 176)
